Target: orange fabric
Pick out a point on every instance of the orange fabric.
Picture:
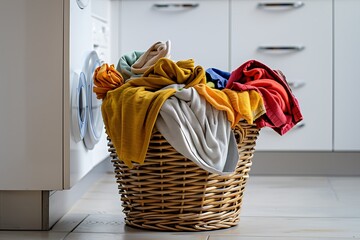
(247, 105)
(218, 100)
(106, 78)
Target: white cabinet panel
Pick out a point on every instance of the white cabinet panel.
(200, 31)
(31, 97)
(37, 64)
(346, 80)
(308, 30)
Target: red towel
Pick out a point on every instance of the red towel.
(282, 108)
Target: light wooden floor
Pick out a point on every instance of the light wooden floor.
(274, 207)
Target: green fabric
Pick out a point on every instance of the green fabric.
(125, 63)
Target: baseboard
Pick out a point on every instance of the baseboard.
(306, 163)
(40, 210)
(60, 202)
(20, 210)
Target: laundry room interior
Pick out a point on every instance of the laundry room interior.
(119, 119)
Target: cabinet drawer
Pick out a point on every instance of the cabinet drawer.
(197, 30)
(299, 41)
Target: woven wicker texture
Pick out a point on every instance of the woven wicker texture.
(171, 193)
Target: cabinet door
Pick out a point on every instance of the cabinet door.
(31, 99)
(305, 30)
(197, 30)
(346, 81)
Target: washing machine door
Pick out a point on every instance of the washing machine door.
(95, 121)
(79, 109)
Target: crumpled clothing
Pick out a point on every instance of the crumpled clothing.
(282, 108)
(246, 105)
(130, 111)
(217, 77)
(125, 63)
(166, 72)
(105, 79)
(151, 56)
(199, 132)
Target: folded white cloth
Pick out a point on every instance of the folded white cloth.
(149, 58)
(198, 131)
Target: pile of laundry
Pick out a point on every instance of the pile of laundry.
(194, 109)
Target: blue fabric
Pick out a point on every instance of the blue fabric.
(218, 77)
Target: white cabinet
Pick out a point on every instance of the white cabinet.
(31, 99)
(225, 34)
(42, 48)
(197, 30)
(314, 42)
(43, 44)
(346, 78)
(295, 37)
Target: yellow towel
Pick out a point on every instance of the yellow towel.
(130, 111)
(247, 105)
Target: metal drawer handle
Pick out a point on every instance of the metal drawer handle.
(176, 5)
(299, 126)
(283, 4)
(296, 85)
(282, 48)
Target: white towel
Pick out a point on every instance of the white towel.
(198, 131)
(149, 58)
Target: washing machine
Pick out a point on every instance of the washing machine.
(88, 144)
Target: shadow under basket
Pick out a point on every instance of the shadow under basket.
(168, 192)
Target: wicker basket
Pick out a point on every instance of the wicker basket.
(171, 193)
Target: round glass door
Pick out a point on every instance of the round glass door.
(95, 121)
(79, 109)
